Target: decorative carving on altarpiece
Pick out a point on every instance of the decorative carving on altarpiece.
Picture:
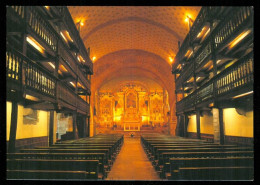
(130, 103)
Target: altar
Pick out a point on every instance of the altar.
(132, 120)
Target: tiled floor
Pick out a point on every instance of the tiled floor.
(132, 163)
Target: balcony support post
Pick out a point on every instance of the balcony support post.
(74, 117)
(198, 124)
(13, 127)
(51, 126)
(221, 127)
(185, 124)
(83, 126)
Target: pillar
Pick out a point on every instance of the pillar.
(198, 124)
(13, 129)
(51, 128)
(185, 124)
(74, 116)
(87, 126)
(218, 125)
(221, 127)
(84, 126)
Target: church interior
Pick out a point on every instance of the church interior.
(103, 93)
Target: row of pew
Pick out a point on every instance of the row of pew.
(85, 158)
(177, 158)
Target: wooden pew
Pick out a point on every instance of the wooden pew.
(214, 173)
(91, 167)
(46, 175)
(103, 163)
(108, 155)
(176, 163)
(165, 157)
(155, 148)
(160, 151)
(112, 150)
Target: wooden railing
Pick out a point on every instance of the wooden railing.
(13, 65)
(67, 19)
(233, 23)
(68, 56)
(205, 14)
(32, 76)
(19, 10)
(35, 77)
(42, 28)
(38, 79)
(203, 54)
(83, 78)
(240, 75)
(187, 72)
(82, 105)
(237, 76)
(66, 94)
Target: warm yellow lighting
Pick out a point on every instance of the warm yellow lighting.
(198, 78)
(63, 68)
(244, 94)
(63, 36)
(186, 88)
(83, 97)
(206, 34)
(29, 97)
(117, 118)
(188, 18)
(93, 58)
(52, 65)
(171, 59)
(80, 59)
(190, 54)
(218, 61)
(68, 36)
(81, 23)
(190, 80)
(179, 66)
(79, 84)
(144, 118)
(208, 65)
(211, 104)
(47, 7)
(201, 32)
(59, 72)
(72, 84)
(230, 64)
(35, 44)
(239, 38)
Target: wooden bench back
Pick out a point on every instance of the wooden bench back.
(165, 157)
(176, 163)
(90, 166)
(47, 175)
(214, 173)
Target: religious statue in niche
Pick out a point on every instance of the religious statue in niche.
(131, 100)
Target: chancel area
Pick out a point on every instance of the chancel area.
(153, 93)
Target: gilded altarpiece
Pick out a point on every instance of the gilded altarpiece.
(131, 107)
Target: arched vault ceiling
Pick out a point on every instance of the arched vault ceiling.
(136, 63)
(150, 28)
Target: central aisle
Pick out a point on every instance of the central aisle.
(132, 163)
